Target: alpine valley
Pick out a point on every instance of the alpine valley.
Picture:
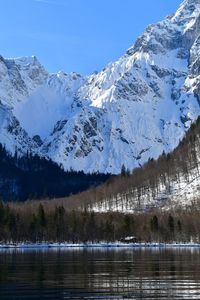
(133, 110)
(63, 136)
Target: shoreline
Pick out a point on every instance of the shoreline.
(96, 245)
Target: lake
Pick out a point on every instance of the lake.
(100, 274)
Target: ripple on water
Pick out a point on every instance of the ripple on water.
(100, 274)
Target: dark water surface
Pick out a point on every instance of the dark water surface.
(100, 274)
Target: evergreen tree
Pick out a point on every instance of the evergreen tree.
(154, 223)
(59, 223)
(41, 218)
(2, 213)
(123, 171)
(179, 226)
(127, 224)
(171, 223)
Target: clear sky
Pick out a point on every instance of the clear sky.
(76, 35)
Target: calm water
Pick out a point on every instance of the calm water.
(100, 274)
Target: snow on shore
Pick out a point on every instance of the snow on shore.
(96, 245)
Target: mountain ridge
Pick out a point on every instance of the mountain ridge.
(132, 110)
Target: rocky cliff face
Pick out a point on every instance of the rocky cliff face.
(131, 111)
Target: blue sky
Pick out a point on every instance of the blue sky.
(76, 35)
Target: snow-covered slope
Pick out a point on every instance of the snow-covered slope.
(132, 110)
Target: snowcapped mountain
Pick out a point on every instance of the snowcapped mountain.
(134, 109)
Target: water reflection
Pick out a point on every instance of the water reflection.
(100, 274)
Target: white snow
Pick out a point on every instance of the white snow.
(133, 110)
(39, 113)
(117, 244)
(92, 245)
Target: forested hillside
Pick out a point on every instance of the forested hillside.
(171, 181)
(32, 177)
(153, 198)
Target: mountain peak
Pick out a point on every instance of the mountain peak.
(191, 2)
(187, 10)
(27, 60)
(133, 110)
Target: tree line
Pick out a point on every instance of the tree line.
(33, 177)
(136, 190)
(39, 223)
